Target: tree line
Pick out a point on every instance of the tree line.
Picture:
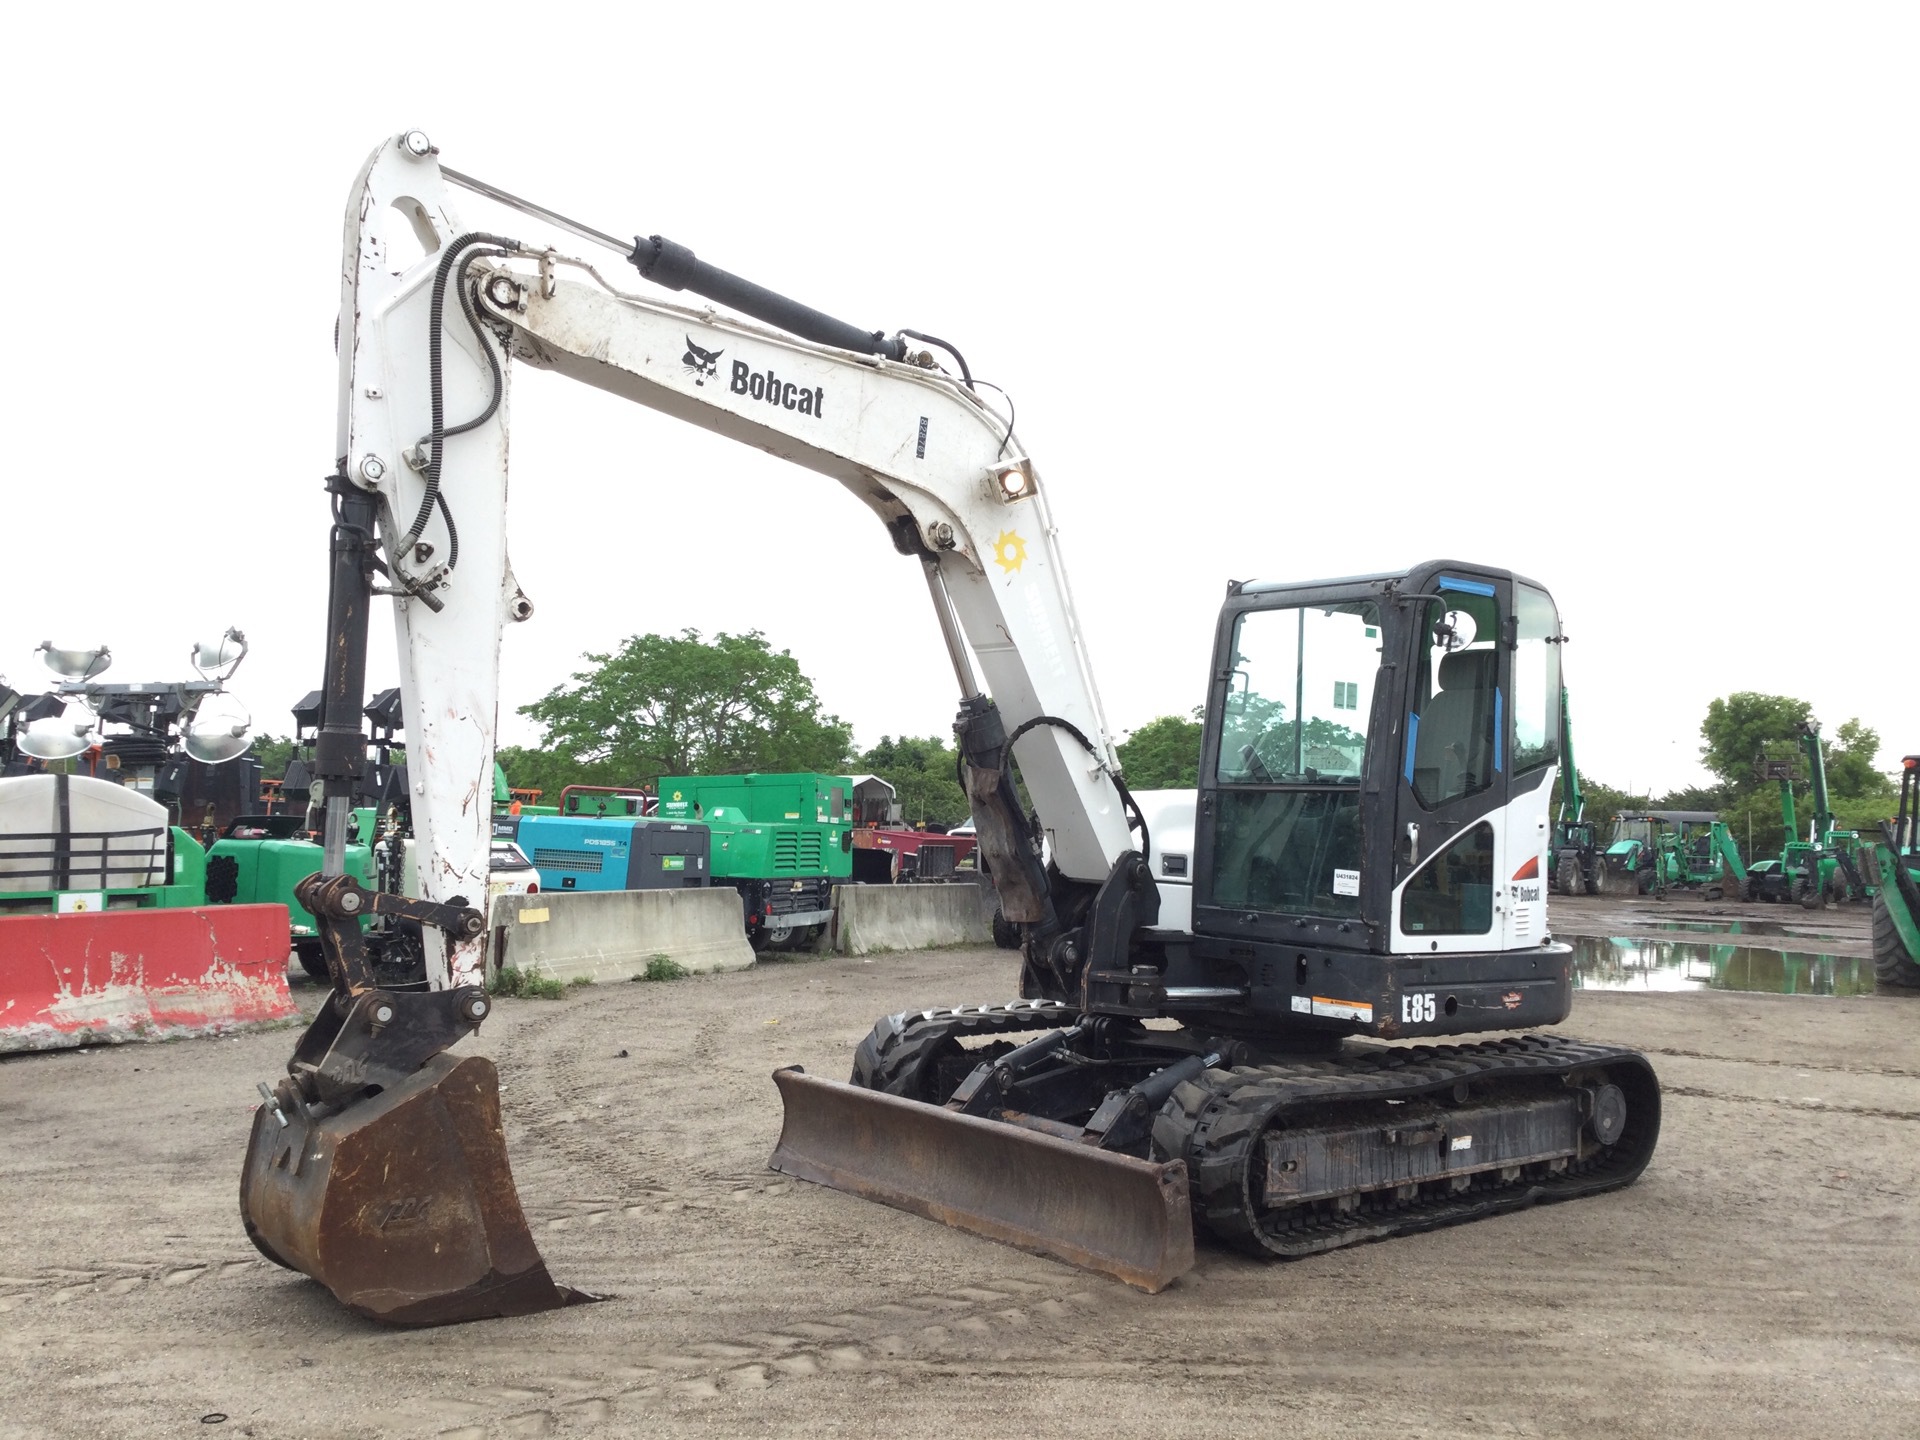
(730, 705)
(688, 705)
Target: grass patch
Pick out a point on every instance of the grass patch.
(520, 984)
(663, 967)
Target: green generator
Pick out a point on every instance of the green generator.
(782, 841)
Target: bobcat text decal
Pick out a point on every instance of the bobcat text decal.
(767, 386)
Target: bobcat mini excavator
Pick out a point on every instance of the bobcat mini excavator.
(1368, 863)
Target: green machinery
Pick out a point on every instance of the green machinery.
(782, 841)
(1893, 862)
(260, 858)
(1576, 853)
(1826, 866)
(1655, 851)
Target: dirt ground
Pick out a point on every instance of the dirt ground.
(1763, 1279)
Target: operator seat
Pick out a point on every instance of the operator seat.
(1454, 752)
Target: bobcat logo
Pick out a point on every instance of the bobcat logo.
(700, 363)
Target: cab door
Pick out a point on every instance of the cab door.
(1453, 838)
(1533, 751)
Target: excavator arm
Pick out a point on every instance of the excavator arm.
(1815, 752)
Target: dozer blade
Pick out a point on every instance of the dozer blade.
(1093, 1208)
(403, 1204)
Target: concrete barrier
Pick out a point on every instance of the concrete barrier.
(150, 974)
(869, 919)
(612, 934)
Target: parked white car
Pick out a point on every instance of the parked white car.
(509, 872)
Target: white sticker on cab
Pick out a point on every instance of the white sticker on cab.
(1346, 882)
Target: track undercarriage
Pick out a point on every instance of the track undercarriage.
(1278, 1154)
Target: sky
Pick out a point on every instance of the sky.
(1622, 298)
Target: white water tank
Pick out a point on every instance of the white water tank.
(116, 838)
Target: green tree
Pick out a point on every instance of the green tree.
(681, 705)
(1163, 754)
(1603, 802)
(1693, 797)
(1744, 726)
(1850, 770)
(1741, 726)
(547, 771)
(273, 752)
(921, 771)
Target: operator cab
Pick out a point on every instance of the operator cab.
(1373, 812)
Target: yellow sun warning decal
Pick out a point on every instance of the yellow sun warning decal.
(1009, 551)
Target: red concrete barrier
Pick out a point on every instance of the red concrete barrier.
(120, 975)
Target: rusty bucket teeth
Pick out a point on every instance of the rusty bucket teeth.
(402, 1204)
(1093, 1208)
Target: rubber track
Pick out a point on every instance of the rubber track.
(1215, 1124)
(893, 1057)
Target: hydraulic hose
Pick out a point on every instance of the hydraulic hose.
(439, 432)
(1132, 807)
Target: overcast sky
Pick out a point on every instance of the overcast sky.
(1622, 297)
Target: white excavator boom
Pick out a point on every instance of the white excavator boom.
(939, 468)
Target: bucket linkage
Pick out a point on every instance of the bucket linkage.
(378, 1165)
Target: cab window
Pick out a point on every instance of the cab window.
(1536, 680)
(1452, 894)
(1454, 739)
(1300, 695)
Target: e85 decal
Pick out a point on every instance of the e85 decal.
(1416, 1009)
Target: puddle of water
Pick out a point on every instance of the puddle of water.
(1734, 927)
(1618, 964)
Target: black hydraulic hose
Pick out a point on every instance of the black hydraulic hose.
(1139, 821)
(431, 498)
(965, 374)
(467, 297)
(1053, 720)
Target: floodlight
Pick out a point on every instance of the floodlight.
(58, 737)
(76, 664)
(217, 731)
(306, 712)
(223, 655)
(384, 710)
(1014, 480)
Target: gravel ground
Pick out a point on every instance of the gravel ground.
(1763, 1278)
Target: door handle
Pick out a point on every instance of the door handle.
(1413, 842)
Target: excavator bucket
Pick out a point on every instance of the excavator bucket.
(1093, 1208)
(402, 1204)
